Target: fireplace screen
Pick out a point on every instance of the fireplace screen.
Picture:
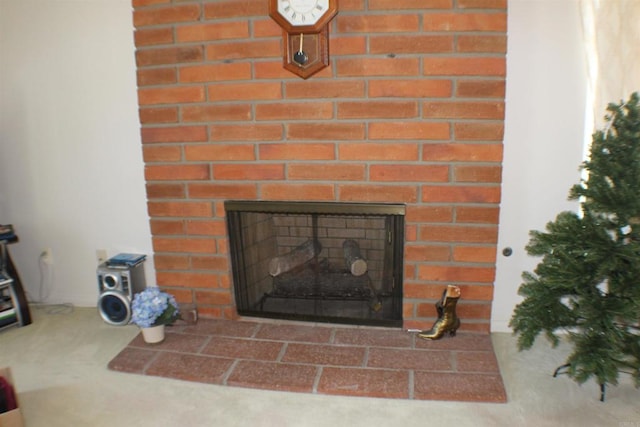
(321, 262)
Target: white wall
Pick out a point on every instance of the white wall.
(546, 110)
(70, 155)
(566, 61)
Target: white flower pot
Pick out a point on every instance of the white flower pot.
(153, 335)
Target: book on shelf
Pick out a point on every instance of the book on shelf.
(126, 260)
(11, 311)
(8, 316)
(5, 304)
(4, 279)
(6, 232)
(8, 321)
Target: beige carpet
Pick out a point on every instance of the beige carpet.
(60, 366)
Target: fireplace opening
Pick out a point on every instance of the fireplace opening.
(318, 262)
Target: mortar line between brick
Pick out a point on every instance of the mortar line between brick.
(316, 381)
(204, 344)
(411, 384)
(365, 359)
(150, 362)
(256, 330)
(227, 374)
(283, 350)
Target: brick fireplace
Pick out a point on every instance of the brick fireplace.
(410, 111)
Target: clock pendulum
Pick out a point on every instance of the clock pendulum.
(300, 57)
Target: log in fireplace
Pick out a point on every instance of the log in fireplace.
(316, 261)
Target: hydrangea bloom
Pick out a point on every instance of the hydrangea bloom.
(153, 307)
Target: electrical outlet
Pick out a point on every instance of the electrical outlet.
(101, 255)
(47, 256)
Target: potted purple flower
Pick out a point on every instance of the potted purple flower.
(151, 310)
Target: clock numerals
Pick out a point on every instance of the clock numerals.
(303, 12)
(302, 17)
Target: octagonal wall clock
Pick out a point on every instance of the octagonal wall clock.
(305, 25)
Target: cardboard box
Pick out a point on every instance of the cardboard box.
(12, 418)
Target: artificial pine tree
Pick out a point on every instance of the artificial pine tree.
(588, 282)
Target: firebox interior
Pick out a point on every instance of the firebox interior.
(320, 262)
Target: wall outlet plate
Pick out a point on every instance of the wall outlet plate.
(101, 255)
(47, 256)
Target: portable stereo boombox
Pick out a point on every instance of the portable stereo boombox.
(117, 285)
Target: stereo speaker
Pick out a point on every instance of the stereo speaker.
(117, 285)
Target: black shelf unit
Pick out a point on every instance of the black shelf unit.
(14, 308)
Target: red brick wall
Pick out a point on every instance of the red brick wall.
(410, 110)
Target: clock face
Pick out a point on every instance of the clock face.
(303, 12)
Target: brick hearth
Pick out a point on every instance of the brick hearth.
(366, 362)
(411, 110)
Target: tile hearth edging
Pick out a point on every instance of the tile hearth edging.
(330, 360)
